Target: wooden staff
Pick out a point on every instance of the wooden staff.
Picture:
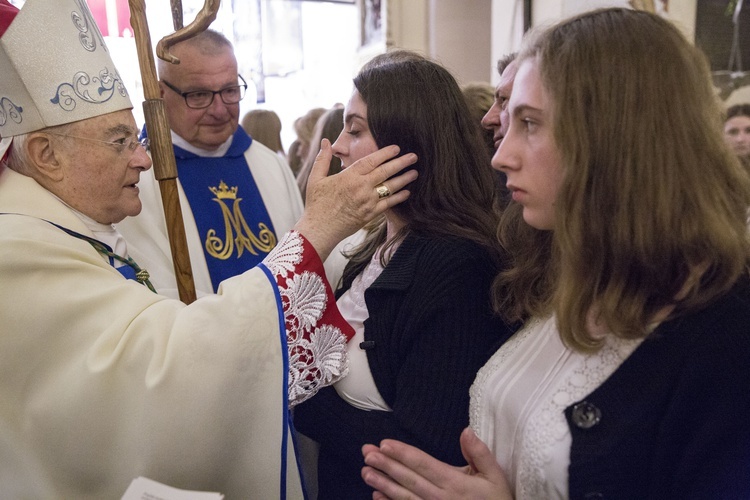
(162, 153)
(176, 14)
(205, 17)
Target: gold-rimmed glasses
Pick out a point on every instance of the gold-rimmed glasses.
(129, 143)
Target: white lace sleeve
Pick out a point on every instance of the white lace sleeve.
(315, 330)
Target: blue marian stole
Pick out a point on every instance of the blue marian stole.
(233, 223)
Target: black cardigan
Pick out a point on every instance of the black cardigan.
(433, 328)
(674, 420)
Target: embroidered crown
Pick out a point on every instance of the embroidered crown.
(223, 193)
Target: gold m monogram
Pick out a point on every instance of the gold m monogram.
(237, 232)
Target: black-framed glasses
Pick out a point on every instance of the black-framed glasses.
(130, 143)
(199, 99)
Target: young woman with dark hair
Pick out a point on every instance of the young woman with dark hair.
(417, 290)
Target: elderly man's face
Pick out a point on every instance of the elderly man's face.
(496, 118)
(98, 179)
(210, 127)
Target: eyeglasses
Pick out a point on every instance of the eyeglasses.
(199, 99)
(130, 143)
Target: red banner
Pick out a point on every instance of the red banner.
(112, 17)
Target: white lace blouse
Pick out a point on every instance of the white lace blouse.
(518, 400)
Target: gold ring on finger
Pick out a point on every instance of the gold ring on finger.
(383, 191)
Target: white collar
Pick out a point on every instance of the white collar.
(106, 233)
(216, 153)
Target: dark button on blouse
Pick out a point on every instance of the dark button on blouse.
(586, 415)
(367, 345)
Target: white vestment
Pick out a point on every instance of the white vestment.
(102, 380)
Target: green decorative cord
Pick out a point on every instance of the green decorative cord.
(141, 275)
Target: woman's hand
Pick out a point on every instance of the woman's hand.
(339, 205)
(402, 472)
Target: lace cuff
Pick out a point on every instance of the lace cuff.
(316, 332)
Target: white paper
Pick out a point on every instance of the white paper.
(143, 488)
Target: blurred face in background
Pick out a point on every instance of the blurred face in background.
(737, 134)
(496, 118)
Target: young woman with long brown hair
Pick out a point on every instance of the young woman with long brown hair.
(629, 379)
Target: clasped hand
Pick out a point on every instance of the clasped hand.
(399, 471)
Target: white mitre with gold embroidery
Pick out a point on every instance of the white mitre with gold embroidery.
(55, 68)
